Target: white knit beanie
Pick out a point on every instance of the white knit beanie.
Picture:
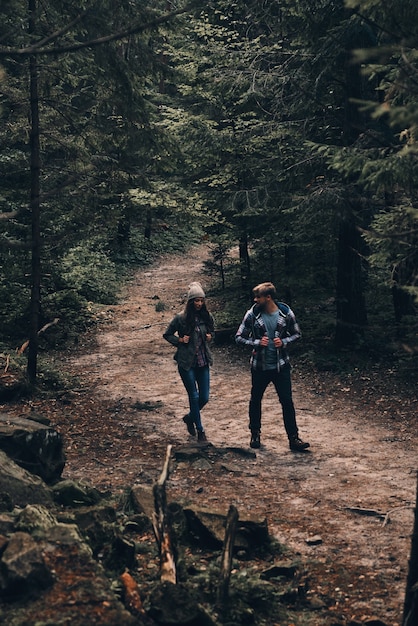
(195, 291)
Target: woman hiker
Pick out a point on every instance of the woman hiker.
(191, 332)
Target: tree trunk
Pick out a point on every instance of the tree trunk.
(244, 259)
(410, 611)
(148, 224)
(222, 270)
(35, 167)
(123, 232)
(403, 301)
(351, 306)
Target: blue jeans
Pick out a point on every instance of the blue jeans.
(282, 383)
(197, 383)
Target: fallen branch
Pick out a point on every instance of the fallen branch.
(165, 472)
(146, 326)
(42, 330)
(389, 513)
(162, 527)
(368, 512)
(373, 513)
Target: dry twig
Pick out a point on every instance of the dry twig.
(162, 527)
(226, 562)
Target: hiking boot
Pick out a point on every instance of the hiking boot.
(255, 439)
(201, 436)
(297, 445)
(190, 425)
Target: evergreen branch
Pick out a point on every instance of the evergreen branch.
(58, 33)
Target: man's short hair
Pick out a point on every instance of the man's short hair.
(265, 289)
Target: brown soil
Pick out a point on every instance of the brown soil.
(345, 507)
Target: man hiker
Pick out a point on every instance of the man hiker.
(268, 328)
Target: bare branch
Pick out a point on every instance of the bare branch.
(14, 243)
(40, 331)
(61, 31)
(8, 215)
(37, 49)
(162, 526)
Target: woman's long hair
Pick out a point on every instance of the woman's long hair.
(190, 313)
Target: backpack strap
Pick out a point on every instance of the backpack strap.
(283, 308)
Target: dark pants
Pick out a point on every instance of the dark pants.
(283, 385)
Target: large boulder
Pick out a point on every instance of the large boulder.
(48, 575)
(22, 567)
(34, 446)
(208, 527)
(19, 487)
(175, 605)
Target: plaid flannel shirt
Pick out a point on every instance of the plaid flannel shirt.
(252, 329)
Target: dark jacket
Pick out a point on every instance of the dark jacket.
(186, 352)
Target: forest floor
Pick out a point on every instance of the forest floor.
(345, 507)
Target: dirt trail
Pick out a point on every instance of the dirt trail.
(358, 564)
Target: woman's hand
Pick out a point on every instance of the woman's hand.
(208, 337)
(184, 339)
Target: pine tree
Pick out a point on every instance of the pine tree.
(98, 139)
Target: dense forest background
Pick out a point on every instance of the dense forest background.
(281, 133)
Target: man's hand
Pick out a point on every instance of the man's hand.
(264, 341)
